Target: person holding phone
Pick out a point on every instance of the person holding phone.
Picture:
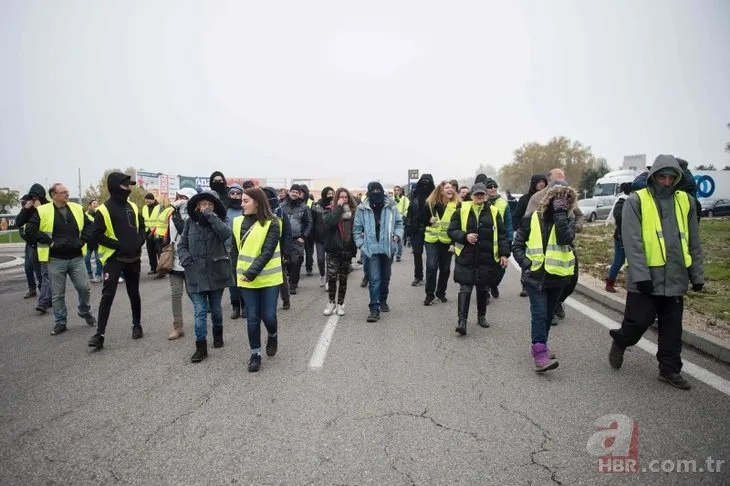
(482, 248)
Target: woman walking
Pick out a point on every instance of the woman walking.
(482, 248)
(256, 236)
(177, 275)
(202, 253)
(339, 247)
(542, 248)
(440, 207)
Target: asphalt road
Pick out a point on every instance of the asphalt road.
(401, 401)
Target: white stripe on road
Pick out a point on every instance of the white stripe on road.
(705, 376)
(317, 360)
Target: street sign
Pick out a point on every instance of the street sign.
(412, 174)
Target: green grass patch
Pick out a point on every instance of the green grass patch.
(595, 250)
(11, 236)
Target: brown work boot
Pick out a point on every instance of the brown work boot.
(177, 331)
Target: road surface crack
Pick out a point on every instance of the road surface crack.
(391, 462)
(546, 439)
(203, 400)
(424, 415)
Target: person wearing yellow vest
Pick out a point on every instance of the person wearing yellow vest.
(660, 236)
(61, 230)
(482, 248)
(149, 215)
(162, 226)
(91, 250)
(401, 203)
(119, 233)
(496, 200)
(257, 236)
(542, 248)
(440, 205)
(203, 255)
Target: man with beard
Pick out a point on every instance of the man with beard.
(300, 219)
(119, 231)
(318, 210)
(416, 222)
(233, 210)
(219, 185)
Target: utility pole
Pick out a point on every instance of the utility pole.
(80, 195)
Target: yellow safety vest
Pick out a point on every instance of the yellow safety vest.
(161, 223)
(402, 205)
(438, 232)
(47, 215)
(105, 252)
(651, 228)
(558, 259)
(466, 208)
(501, 206)
(250, 249)
(149, 217)
(90, 216)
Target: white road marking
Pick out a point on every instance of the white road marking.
(705, 376)
(317, 360)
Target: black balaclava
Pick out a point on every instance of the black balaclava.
(113, 182)
(219, 187)
(326, 201)
(376, 198)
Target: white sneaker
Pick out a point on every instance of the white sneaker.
(341, 309)
(329, 309)
(322, 281)
(327, 287)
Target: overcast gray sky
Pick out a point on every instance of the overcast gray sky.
(361, 89)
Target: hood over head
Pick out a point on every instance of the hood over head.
(248, 184)
(219, 187)
(273, 196)
(424, 186)
(210, 195)
(37, 190)
(534, 180)
(376, 198)
(560, 189)
(665, 164)
(214, 175)
(481, 179)
(114, 180)
(324, 200)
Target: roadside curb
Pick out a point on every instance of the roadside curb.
(707, 343)
(15, 262)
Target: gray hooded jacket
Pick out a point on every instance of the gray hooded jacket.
(673, 279)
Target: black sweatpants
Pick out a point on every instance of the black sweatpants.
(641, 309)
(112, 270)
(417, 245)
(151, 252)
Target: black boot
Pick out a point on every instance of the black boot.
(218, 337)
(482, 303)
(463, 311)
(236, 311)
(201, 351)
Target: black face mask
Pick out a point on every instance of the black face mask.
(120, 194)
(376, 198)
(327, 200)
(235, 203)
(218, 186)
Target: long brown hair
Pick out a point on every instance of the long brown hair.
(263, 210)
(350, 200)
(439, 196)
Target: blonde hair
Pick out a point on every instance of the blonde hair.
(438, 195)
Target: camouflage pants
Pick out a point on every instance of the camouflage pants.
(338, 268)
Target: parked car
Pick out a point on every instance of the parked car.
(715, 207)
(596, 208)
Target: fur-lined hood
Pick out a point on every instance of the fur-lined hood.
(558, 190)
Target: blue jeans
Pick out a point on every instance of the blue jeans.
(619, 257)
(87, 260)
(542, 308)
(260, 305)
(32, 268)
(399, 248)
(57, 271)
(379, 267)
(365, 265)
(45, 295)
(201, 301)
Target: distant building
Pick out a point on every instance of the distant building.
(634, 162)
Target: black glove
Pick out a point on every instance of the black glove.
(645, 287)
(698, 287)
(208, 213)
(560, 204)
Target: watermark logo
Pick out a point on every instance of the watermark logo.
(616, 444)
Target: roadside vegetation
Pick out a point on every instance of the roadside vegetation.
(11, 236)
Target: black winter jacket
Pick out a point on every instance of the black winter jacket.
(564, 234)
(476, 265)
(524, 200)
(334, 242)
(273, 238)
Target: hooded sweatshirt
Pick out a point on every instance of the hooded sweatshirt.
(38, 192)
(418, 215)
(672, 279)
(521, 208)
(318, 209)
(129, 236)
(233, 210)
(220, 188)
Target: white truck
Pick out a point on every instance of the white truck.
(710, 183)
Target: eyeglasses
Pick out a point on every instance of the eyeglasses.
(491, 187)
(63, 193)
(235, 193)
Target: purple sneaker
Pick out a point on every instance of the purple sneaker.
(543, 362)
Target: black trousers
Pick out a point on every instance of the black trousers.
(641, 309)
(438, 262)
(151, 252)
(417, 245)
(112, 270)
(309, 251)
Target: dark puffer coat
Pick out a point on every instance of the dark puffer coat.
(476, 265)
